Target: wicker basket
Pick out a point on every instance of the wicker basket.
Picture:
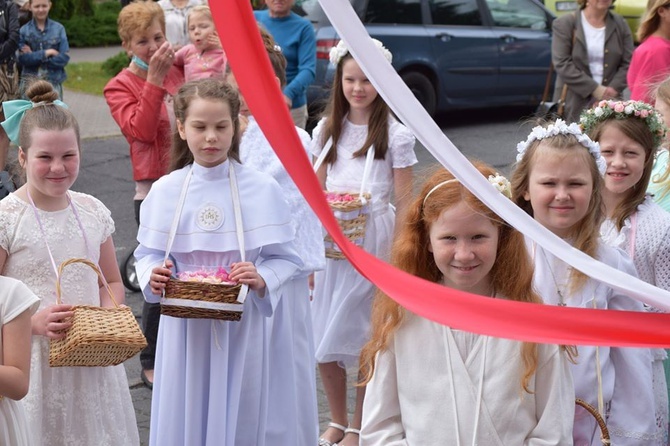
(352, 216)
(604, 432)
(98, 337)
(219, 298)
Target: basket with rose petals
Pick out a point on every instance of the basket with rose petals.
(351, 210)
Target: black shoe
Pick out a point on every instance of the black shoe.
(145, 380)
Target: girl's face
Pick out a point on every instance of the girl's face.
(464, 244)
(200, 28)
(144, 44)
(559, 188)
(208, 130)
(357, 89)
(51, 162)
(625, 160)
(40, 9)
(664, 108)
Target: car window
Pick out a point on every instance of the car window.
(394, 11)
(455, 12)
(518, 14)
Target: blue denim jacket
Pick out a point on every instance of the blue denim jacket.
(35, 63)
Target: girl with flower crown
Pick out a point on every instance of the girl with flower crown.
(459, 387)
(556, 180)
(629, 133)
(362, 143)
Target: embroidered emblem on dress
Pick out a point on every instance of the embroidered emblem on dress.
(209, 217)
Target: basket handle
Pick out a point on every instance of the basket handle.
(604, 432)
(93, 266)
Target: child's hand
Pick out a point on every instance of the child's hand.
(246, 273)
(214, 41)
(51, 52)
(159, 277)
(51, 321)
(25, 49)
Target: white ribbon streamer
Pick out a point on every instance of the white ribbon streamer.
(401, 100)
(202, 304)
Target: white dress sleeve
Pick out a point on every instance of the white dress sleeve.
(382, 421)
(15, 298)
(554, 398)
(632, 401)
(316, 144)
(401, 146)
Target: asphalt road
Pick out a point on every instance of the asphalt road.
(488, 135)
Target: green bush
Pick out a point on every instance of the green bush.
(115, 64)
(66, 9)
(97, 30)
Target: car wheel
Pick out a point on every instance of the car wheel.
(423, 89)
(128, 273)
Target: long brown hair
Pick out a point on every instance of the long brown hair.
(651, 20)
(410, 253)
(586, 233)
(337, 109)
(636, 129)
(212, 89)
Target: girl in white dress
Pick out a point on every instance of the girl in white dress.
(432, 385)
(17, 305)
(213, 377)
(628, 140)
(557, 180)
(43, 218)
(357, 121)
(292, 403)
(659, 186)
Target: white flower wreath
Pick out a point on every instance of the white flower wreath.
(341, 50)
(502, 184)
(560, 127)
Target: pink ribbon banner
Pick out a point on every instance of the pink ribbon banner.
(494, 317)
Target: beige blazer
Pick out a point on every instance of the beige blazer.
(572, 62)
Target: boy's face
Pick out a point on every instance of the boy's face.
(40, 9)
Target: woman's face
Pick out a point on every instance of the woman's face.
(144, 43)
(599, 5)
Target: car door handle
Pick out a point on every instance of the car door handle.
(445, 37)
(507, 38)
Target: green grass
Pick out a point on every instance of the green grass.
(86, 77)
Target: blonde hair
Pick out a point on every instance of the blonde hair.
(202, 10)
(137, 17)
(586, 233)
(663, 94)
(410, 254)
(651, 20)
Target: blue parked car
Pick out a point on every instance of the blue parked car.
(453, 54)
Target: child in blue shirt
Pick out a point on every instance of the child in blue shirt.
(43, 48)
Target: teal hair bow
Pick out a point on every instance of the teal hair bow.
(14, 111)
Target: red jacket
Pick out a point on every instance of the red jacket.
(138, 108)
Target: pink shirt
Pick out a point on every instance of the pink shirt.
(649, 66)
(200, 64)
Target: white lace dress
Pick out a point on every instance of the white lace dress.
(69, 406)
(342, 297)
(650, 230)
(15, 299)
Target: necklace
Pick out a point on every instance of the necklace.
(561, 298)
